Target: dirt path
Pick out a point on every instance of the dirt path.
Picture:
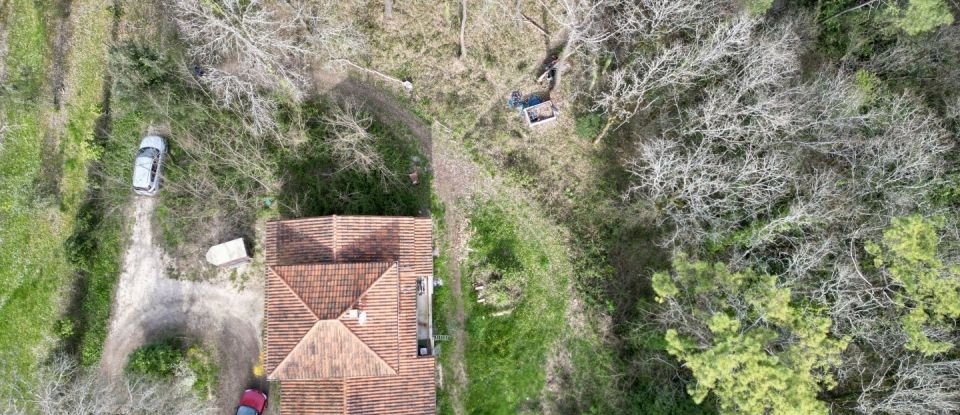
(149, 306)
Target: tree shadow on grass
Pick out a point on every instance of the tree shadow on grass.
(314, 184)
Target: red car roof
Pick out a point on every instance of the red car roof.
(254, 399)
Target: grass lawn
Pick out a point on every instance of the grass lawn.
(33, 265)
(506, 354)
(43, 172)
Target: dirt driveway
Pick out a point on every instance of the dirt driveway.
(150, 306)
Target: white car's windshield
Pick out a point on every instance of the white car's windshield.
(147, 152)
(246, 410)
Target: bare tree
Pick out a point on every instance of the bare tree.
(625, 31)
(815, 167)
(352, 143)
(262, 47)
(920, 388)
(60, 387)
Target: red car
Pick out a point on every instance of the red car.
(252, 402)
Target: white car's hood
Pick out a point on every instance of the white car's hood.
(141, 172)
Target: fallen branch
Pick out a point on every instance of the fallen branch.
(463, 28)
(535, 24)
(406, 85)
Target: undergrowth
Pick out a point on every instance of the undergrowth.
(315, 185)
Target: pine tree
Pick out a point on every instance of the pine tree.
(761, 353)
(930, 295)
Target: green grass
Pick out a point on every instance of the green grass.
(444, 309)
(43, 177)
(506, 354)
(98, 242)
(96, 249)
(33, 266)
(88, 53)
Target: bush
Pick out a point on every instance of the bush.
(589, 125)
(316, 183)
(204, 370)
(169, 358)
(137, 67)
(159, 359)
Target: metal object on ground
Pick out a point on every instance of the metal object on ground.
(541, 113)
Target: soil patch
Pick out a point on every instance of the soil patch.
(149, 306)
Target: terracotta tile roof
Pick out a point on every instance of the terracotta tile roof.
(330, 350)
(325, 359)
(312, 397)
(330, 289)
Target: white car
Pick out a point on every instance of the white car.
(149, 163)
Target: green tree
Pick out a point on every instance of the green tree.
(745, 341)
(930, 295)
(920, 16)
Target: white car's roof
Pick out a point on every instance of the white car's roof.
(153, 141)
(141, 172)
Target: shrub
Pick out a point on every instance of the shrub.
(204, 368)
(191, 364)
(159, 359)
(137, 67)
(589, 125)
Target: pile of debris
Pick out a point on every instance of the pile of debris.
(538, 109)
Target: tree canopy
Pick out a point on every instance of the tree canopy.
(930, 294)
(745, 340)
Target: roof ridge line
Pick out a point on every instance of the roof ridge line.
(299, 297)
(279, 365)
(292, 291)
(399, 287)
(366, 290)
(358, 339)
(395, 371)
(398, 319)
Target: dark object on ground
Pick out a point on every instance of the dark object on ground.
(551, 68)
(252, 402)
(516, 100)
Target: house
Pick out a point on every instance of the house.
(348, 315)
